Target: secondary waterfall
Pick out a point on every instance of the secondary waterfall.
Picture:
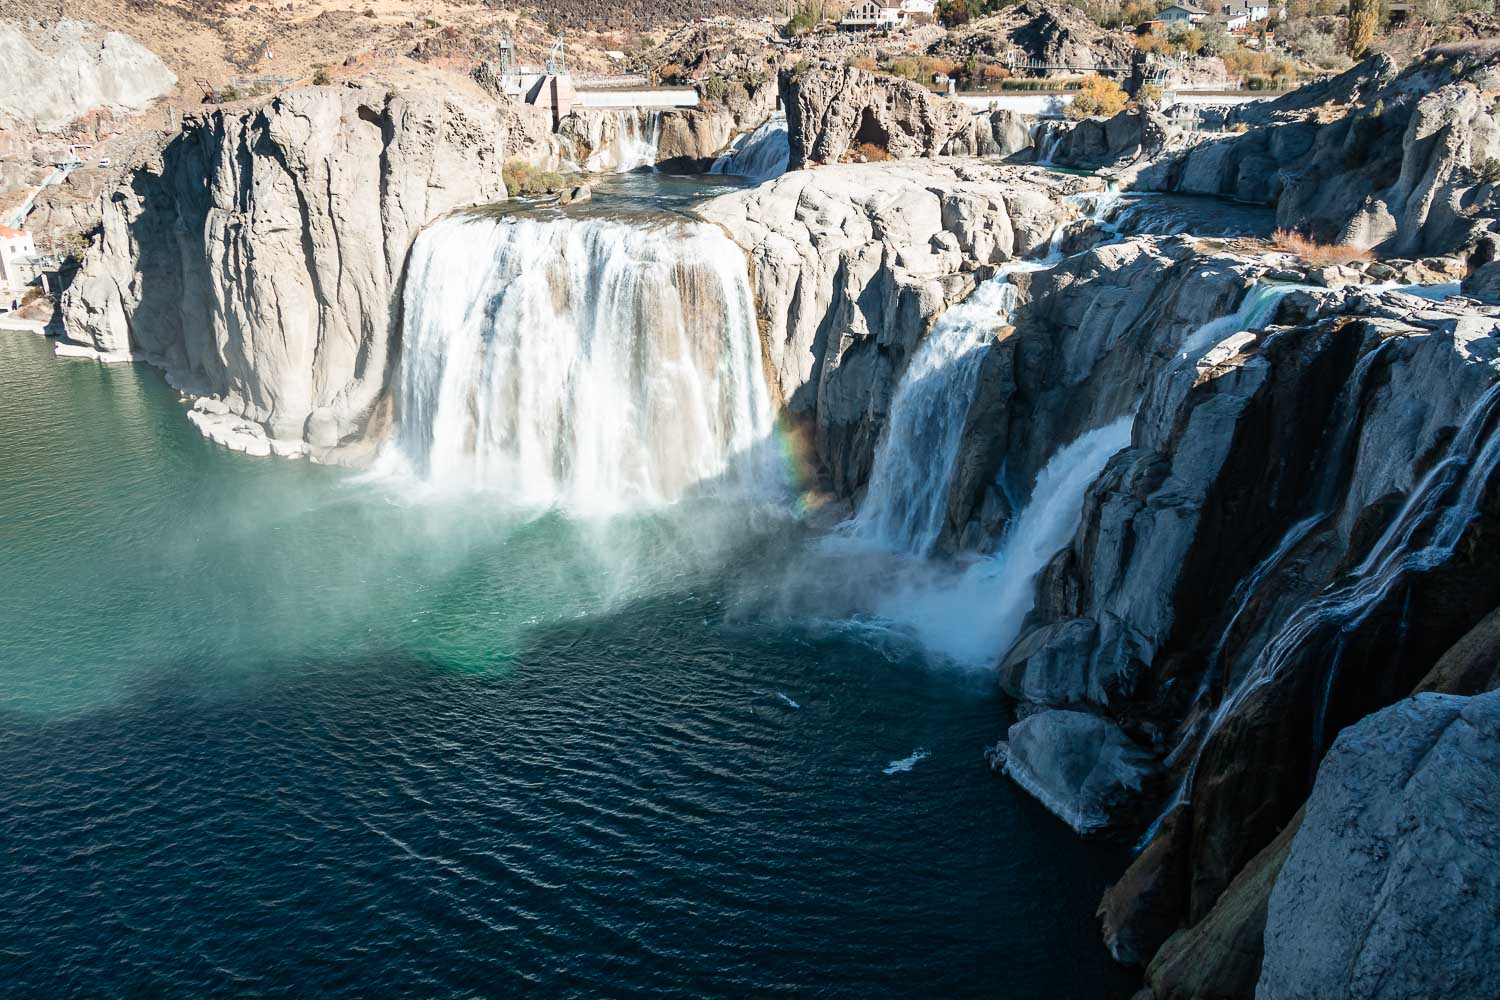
(759, 155)
(581, 363)
(914, 462)
(610, 141)
(974, 615)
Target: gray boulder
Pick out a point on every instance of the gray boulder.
(56, 75)
(832, 108)
(1392, 887)
(1083, 768)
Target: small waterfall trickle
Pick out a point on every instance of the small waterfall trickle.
(914, 462)
(760, 155)
(1439, 508)
(581, 363)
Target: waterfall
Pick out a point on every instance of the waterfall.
(581, 363)
(1439, 508)
(914, 461)
(975, 615)
(759, 155)
(1049, 138)
(638, 141)
(610, 141)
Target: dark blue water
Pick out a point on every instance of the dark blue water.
(269, 730)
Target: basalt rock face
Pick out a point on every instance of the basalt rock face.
(1391, 884)
(690, 139)
(257, 256)
(1103, 142)
(990, 133)
(1051, 33)
(851, 266)
(1374, 159)
(832, 109)
(1304, 522)
(1087, 339)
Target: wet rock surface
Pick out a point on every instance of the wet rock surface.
(851, 266)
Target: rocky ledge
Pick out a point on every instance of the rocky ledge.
(852, 264)
(256, 256)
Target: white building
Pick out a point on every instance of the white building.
(865, 14)
(17, 268)
(1181, 14)
(913, 7)
(1243, 13)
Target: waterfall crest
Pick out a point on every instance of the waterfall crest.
(581, 363)
(761, 154)
(610, 141)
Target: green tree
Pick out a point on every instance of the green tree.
(1364, 15)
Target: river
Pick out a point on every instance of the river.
(273, 728)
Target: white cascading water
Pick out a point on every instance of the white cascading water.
(914, 461)
(613, 141)
(760, 155)
(638, 141)
(974, 615)
(581, 363)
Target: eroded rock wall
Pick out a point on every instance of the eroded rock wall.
(257, 256)
(1399, 162)
(1389, 889)
(832, 109)
(55, 75)
(852, 264)
(1270, 560)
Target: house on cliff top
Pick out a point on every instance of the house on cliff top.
(867, 14)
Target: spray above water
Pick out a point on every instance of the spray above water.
(973, 615)
(583, 364)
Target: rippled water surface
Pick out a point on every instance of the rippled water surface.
(268, 729)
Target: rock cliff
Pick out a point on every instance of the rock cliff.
(1400, 162)
(832, 109)
(1240, 587)
(1400, 828)
(56, 75)
(1050, 33)
(852, 264)
(257, 256)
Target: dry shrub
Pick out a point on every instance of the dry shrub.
(872, 153)
(1317, 254)
(1097, 97)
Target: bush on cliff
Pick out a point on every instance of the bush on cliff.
(1317, 254)
(1097, 97)
(522, 178)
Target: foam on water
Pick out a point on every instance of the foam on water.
(906, 763)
